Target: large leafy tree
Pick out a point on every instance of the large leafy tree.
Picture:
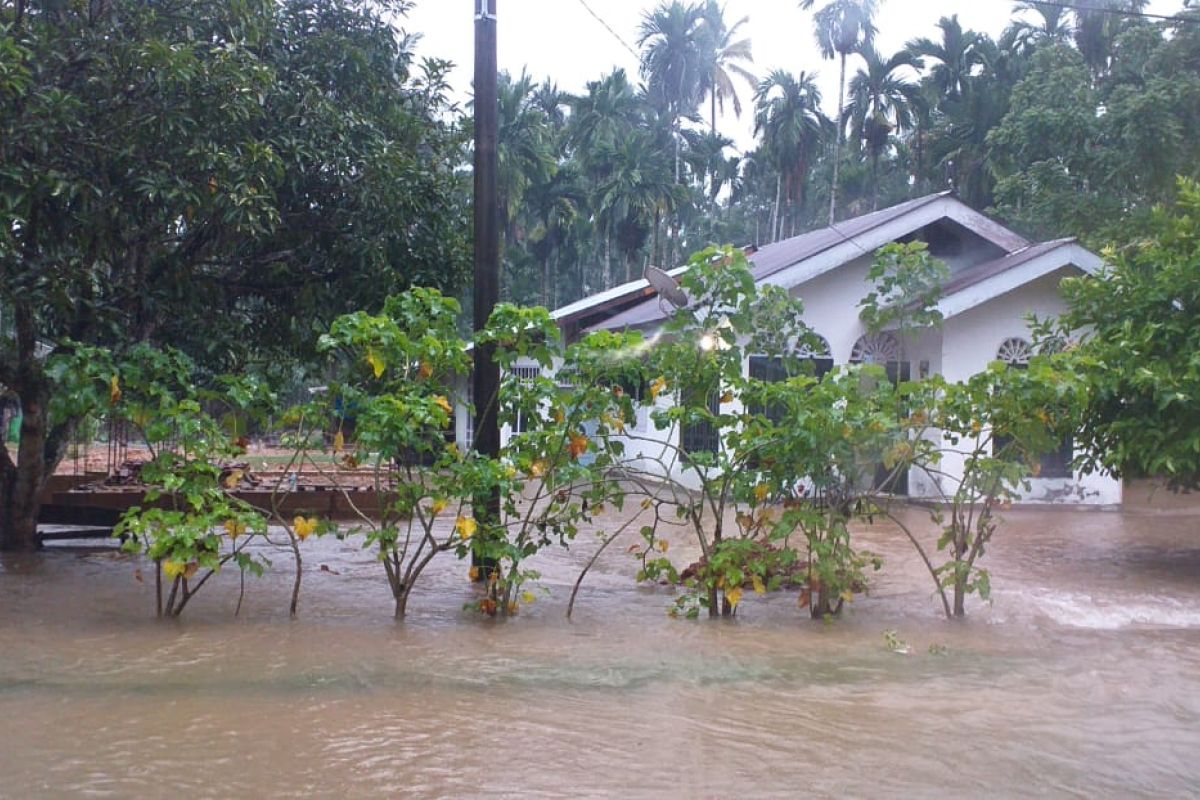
(220, 176)
(842, 27)
(1140, 351)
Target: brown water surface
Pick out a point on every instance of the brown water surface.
(1081, 679)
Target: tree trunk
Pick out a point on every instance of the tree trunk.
(713, 88)
(837, 143)
(960, 596)
(21, 484)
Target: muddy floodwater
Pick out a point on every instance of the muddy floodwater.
(1081, 679)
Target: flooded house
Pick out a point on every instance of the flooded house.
(997, 280)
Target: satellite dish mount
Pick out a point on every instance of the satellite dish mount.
(667, 287)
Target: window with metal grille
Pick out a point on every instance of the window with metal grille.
(772, 369)
(526, 374)
(469, 436)
(1016, 352)
(701, 437)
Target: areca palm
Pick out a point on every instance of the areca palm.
(882, 102)
(637, 192)
(787, 115)
(672, 63)
(1052, 24)
(604, 115)
(957, 55)
(1097, 27)
(524, 148)
(722, 53)
(841, 28)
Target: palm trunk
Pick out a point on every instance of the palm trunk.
(874, 180)
(607, 258)
(713, 89)
(837, 143)
(775, 213)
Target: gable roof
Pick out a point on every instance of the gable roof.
(994, 278)
(797, 260)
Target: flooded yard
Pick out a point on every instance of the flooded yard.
(1081, 679)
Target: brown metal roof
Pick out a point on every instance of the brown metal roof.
(989, 269)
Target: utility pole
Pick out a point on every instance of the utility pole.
(486, 377)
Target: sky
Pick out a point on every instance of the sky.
(560, 39)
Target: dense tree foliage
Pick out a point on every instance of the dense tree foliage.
(221, 176)
(1138, 353)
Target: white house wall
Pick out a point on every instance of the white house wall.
(971, 341)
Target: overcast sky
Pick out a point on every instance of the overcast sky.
(560, 39)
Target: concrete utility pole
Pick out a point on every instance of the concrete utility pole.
(487, 247)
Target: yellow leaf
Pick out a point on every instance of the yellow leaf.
(234, 528)
(761, 491)
(473, 574)
(425, 370)
(173, 569)
(759, 588)
(734, 596)
(339, 442)
(234, 478)
(114, 390)
(304, 527)
(557, 415)
(443, 404)
(513, 608)
(376, 361)
(452, 449)
(538, 468)
(848, 596)
(578, 445)
(727, 398)
(663, 545)
(466, 527)
(439, 505)
(657, 387)
(646, 503)
(190, 570)
(527, 597)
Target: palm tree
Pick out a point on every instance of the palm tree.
(637, 192)
(841, 27)
(787, 115)
(1052, 25)
(705, 157)
(603, 116)
(1097, 28)
(524, 152)
(672, 41)
(957, 55)
(881, 103)
(723, 51)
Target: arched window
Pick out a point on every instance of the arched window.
(882, 349)
(1015, 352)
(876, 348)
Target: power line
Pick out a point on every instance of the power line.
(1117, 12)
(609, 28)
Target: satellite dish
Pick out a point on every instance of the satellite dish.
(666, 286)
